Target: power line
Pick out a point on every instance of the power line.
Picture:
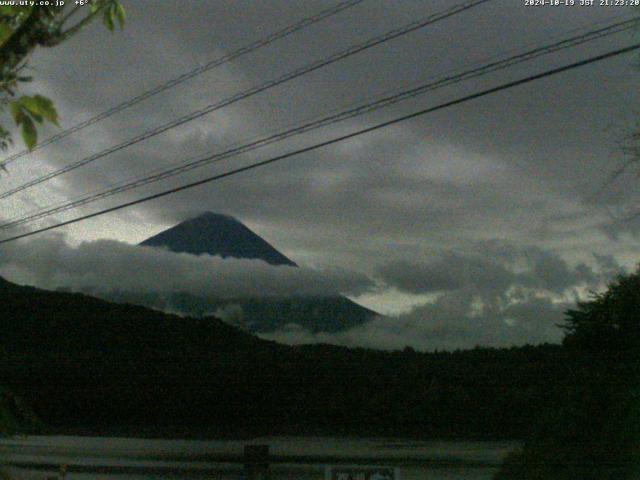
(335, 140)
(331, 119)
(350, 113)
(557, 38)
(372, 42)
(263, 42)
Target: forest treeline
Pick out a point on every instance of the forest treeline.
(86, 365)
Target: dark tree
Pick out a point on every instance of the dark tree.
(610, 322)
(594, 433)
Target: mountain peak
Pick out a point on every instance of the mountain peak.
(220, 235)
(212, 216)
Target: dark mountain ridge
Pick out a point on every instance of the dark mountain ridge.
(96, 367)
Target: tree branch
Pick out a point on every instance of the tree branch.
(75, 29)
(24, 39)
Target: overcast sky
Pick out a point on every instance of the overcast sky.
(477, 224)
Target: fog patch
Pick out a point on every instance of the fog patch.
(158, 278)
(232, 314)
(451, 322)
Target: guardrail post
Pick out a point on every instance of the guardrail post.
(256, 462)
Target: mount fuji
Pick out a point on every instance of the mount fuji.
(224, 236)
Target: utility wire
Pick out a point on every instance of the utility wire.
(263, 42)
(448, 72)
(328, 120)
(372, 42)
(335, 140)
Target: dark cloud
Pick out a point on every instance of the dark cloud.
(499, 295)
(498, 268)
(452, 272)
(490, 202)
(112, 269)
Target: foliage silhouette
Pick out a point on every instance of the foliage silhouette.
(594, 433)
(22, 30)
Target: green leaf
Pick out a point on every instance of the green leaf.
(108, 18)
(10, 11)
(29, 133)
(95, 6)
(30, 104)
(36, 116)
(5, 32)
(42, 107)
(14, 16)
(48, 109)
(120, 14)
(16, 111)
(26, 110)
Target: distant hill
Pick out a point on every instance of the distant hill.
(224, 236)
(95, 367)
